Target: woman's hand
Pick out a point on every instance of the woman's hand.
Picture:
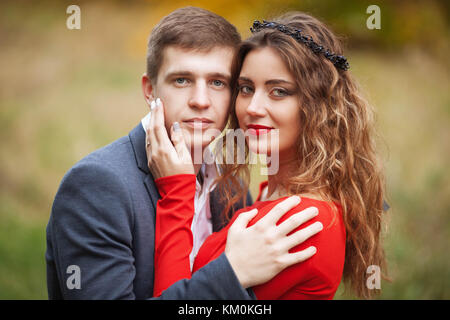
(166, 157)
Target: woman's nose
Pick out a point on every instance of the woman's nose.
(256, 108)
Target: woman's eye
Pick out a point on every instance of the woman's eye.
(280, 92)
(245, 90)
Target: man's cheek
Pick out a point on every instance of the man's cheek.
(225, 115)
(168, 123)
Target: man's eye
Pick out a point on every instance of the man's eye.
(218, 83)
(181, 81)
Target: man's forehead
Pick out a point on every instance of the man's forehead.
(216, 60)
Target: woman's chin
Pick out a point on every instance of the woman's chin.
(259, 149)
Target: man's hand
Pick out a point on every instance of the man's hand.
(260, 252)
(165, 158)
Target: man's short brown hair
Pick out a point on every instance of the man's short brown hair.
(190, 28)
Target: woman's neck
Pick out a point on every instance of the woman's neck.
(275, 189)
(276, 183)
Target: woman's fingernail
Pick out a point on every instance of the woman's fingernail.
(176, 126)
(152, 105)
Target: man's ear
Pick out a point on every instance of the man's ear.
(147, 88)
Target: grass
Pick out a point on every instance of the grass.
(22, 249)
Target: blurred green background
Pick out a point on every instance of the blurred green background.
(65, 93)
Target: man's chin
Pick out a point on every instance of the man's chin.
(200, 146)
(198, 152)
(199, 142)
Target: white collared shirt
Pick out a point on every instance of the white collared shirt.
(201, 223)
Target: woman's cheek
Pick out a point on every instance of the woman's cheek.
(240, 111)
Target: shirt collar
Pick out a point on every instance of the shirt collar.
(209, 171)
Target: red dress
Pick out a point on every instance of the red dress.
(315, 278)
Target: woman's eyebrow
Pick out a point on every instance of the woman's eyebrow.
(245, 79)
(268, 82)
(278, 81)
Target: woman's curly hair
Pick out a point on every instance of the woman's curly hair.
(336, 148)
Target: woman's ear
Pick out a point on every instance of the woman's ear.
(147, 88)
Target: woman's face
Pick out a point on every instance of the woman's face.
(268, 99)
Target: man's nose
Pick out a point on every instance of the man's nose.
(200, 96)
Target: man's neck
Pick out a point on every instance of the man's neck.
(197, 165)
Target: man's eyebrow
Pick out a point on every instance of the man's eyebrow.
(181, 73)
(226, 76)
(178, 73)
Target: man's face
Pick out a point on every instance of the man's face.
(194, 87)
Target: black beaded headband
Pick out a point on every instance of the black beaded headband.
(338, 60)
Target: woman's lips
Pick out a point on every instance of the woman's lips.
(257, 130)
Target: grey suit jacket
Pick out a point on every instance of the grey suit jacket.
(101, 232)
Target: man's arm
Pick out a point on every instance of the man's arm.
(216, 280)
(91, 228)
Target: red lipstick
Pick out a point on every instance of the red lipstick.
(257, 129)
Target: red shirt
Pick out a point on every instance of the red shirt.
(315, 278)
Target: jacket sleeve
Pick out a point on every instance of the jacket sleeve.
(215, 281)
(89, 238)
(89, 233)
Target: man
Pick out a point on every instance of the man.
(100, 237)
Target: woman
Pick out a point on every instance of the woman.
(292, 84)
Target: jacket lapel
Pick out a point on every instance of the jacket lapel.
(137, 138)
(217, 207)
(217, 204)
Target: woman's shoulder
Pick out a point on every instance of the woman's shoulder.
(329, 212)
(306, 200)
(325, 267)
